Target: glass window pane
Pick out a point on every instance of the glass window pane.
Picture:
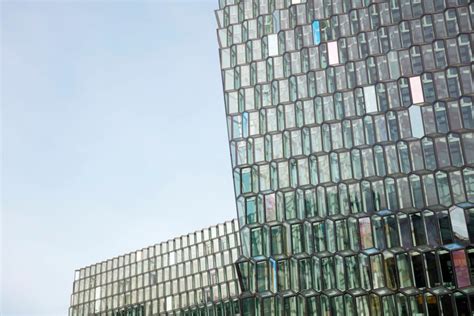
(416, 90)
(416, 121)
(272, 44)
(333, 53)
(370, 99)
(316, 33)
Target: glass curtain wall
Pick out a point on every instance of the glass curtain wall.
(189, 275)
(351, 136)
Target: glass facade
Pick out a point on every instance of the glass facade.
(351, 135)
(186, 275)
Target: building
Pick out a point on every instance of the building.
(351, 135)
(192, 273)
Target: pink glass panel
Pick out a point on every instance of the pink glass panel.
(416, 90)
(333, 53)
(365, 233)
(270, 207)
(460, 266)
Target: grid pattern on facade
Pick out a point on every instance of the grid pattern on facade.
(351, 136)
(186, 273)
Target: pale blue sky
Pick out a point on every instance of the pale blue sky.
(114, 137)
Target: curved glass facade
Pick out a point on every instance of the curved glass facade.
(351, 135)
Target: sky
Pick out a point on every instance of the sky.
(113, 137)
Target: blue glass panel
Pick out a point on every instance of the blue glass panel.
(245, 123)
(384, 212)
(453, 246)
(370, 251)
(316, 32)
(416, 121)
(274, 269)
(246, 180)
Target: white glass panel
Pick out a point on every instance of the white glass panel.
(272, 45)
(169, 303)
(370, 99)
(458, 222)
(97, 293)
